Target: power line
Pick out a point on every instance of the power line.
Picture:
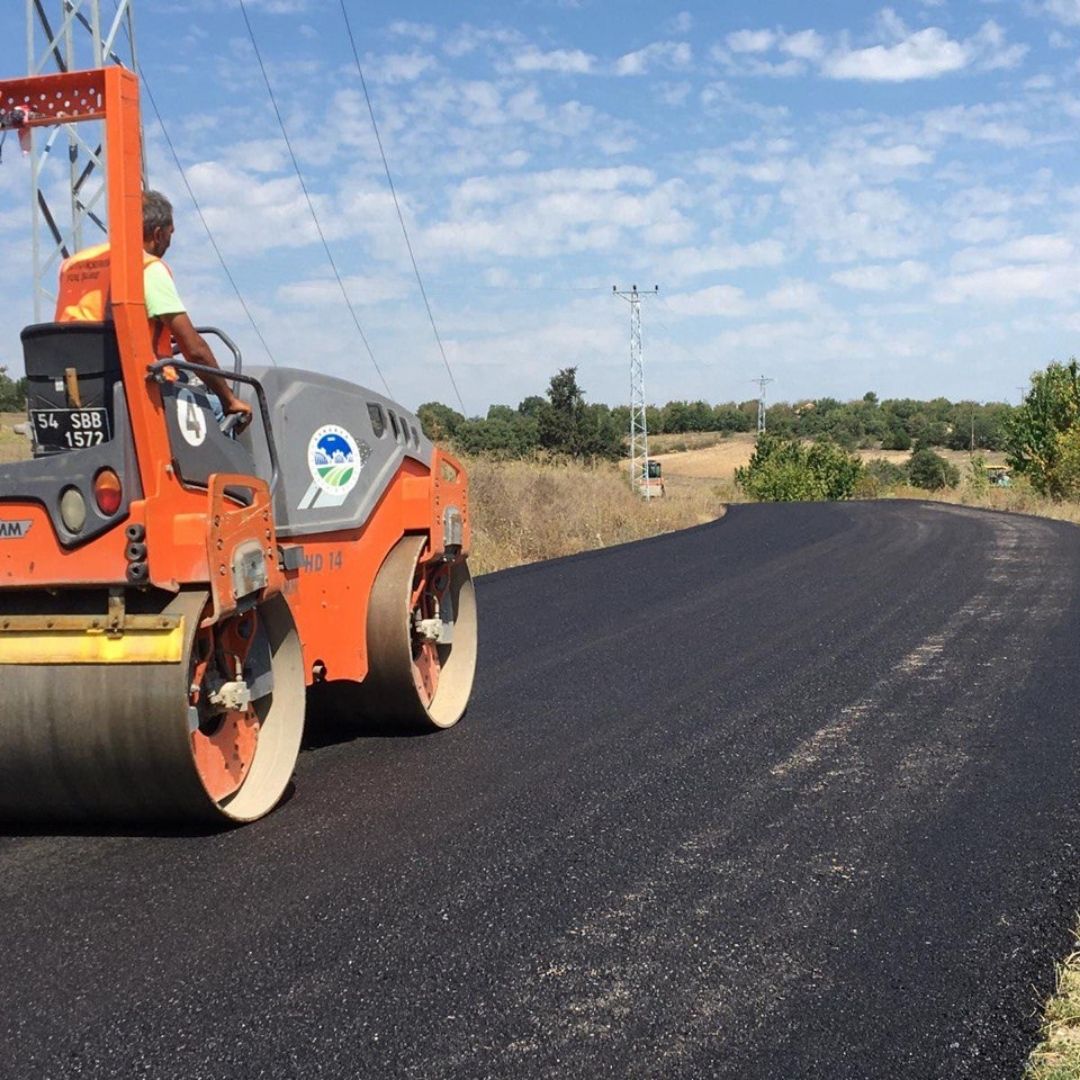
(202, 218)
(397, 205)
(307, 196)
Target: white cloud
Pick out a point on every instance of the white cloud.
(1040, 266)
(716, 300)
(805, 45)
(981, 230)
(560, 211)
(994, 123)
(467, 39)
(794, 296)
(883, 278)
(363, 290)
(925, 54)
(671, 54)
(564, 61)
(687, 262)
(751, 41)
(673, 94)
(1012, 284)
(404, 28)
(1035, 248)
(904, 156)
(1067, 11)
(682, 23)
(401, 67)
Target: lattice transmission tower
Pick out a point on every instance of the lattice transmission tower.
(639, 428)
(69, 213)
(762, 382)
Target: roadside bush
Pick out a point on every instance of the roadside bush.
(978, 479)
(931, 471)
(887, 473)
(879, 477)
(785, 470)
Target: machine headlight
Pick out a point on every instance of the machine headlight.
(73, 509)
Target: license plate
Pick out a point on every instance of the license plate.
(69, 429)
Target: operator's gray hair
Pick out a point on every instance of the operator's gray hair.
(156, 213)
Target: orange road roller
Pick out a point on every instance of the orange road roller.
(169, 589)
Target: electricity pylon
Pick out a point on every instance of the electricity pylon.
(639, 428)
(762, 382)
(76, 39)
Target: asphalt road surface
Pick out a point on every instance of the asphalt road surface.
(789, 795)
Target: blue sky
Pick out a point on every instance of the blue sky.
(844, 197)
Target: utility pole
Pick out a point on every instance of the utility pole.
(76, 39)
(639, 430)
(762, 382)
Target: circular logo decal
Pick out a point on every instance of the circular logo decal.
(334, 460)
(191, 417)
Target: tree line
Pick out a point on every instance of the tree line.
(562, 422)
(12, 392)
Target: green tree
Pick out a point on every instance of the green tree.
(785, 470)
(531, 406)
(1033, 432)
(440, 422)
(728, 417)
(566, 425)
(12, 392)
(931, 471)
(498, 436)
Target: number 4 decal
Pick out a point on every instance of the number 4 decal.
(192, 418)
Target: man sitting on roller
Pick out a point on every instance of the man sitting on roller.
(84, 296)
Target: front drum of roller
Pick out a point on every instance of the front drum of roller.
(419, 685)
(83, 743)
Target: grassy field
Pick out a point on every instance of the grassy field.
(13, 447)
(712, 457)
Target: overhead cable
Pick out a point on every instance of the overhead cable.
(397, 206)
(310, 203)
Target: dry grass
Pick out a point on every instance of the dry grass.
(717, 460)
(690, 440)
(525, 511)
(1018, 499)
(1057, 1057)
(13, 447)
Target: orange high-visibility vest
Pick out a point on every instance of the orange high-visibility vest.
(86, 295)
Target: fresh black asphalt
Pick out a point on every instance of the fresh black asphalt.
(789, 795)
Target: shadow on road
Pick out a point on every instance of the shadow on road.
(333, 718)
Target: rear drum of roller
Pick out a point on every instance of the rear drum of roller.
(83, 743)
